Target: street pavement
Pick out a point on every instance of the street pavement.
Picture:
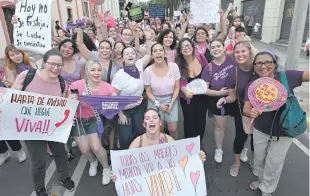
(15, 179)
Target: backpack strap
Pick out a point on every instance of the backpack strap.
(62, 84)
(284, 81)
(32, 72)
(109, 73)
(29, 77)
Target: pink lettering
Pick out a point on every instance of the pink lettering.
(25, 125)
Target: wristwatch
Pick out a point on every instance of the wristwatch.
(157, 103)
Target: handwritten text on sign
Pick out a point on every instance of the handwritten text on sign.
(31, 116)
(205, 11)
(33, 30)
(160, 170)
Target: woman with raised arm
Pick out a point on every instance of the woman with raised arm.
(128, 81)
(270, 142)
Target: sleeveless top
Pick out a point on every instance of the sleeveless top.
(76, 74)
(161, 140)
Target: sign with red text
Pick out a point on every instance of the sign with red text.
(33, 31)
(31, 116)
(160, 170)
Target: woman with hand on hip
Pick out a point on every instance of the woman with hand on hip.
(162, 83)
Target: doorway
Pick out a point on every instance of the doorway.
(8, 13)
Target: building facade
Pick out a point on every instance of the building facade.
(62, 10)
(275, 17)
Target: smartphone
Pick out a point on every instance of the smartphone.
(74, 91)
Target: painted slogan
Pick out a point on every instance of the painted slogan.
(33, 29)
(31, 116)
(160, 170)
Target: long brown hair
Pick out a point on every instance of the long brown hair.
(9, 63)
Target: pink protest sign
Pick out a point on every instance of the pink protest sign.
(267, 94)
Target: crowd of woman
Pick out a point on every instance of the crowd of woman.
(134, 59)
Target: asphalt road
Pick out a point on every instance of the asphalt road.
(15, 178)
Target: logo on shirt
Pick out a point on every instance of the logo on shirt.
(223, 73)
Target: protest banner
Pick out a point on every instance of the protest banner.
(33, 32)
(267, 94)
(160, 170)
(157, 10)
(31, 116)
(136, 14)
(205, 11)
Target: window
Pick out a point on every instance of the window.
(86, 9)
(69, 14)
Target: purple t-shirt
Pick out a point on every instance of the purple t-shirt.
(242, 80)
(264, 121)
(219, 73)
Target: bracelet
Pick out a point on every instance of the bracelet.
(157, 103)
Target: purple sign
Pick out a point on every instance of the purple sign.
(108, 106)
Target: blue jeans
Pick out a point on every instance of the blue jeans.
(134, 128)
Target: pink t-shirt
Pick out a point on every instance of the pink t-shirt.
(84, 110)
(162, 85)
(171, 55)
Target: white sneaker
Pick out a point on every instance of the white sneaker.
(218, 156)
(106, 176)
(74, 144)
(244, 155)
(93, 168)
(21, 156)
(4, 157)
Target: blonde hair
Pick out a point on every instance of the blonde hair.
(247, 44)
(89, 65)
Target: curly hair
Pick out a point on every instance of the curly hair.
(9, 63)
(165, 32)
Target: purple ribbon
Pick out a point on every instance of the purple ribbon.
(222, 111)
(79, 23)
(22, 67)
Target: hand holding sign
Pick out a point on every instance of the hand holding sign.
(267, 94)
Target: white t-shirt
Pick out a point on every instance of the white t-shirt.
(127, 85)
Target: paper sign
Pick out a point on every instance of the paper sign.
(157, 10)
(177, 13)
(163, 169)
(267, 94)
(197, 87)
(205, 11)
(136, 14)
(33, 32)
(31, 116)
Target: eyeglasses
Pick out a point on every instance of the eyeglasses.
(59, 65)
(127, 35)
(186, 46)
(266, 63)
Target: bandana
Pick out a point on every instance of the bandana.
(22, 67)
(108, 106)
(132, 71)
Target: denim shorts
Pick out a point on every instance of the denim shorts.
(168, 117)
(84, 126)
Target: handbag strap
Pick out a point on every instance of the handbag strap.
(109, 72)
(97, 116)
(283, 80)
(236, 90)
